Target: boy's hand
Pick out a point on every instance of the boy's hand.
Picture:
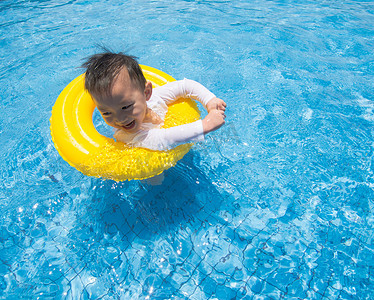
(216, 103)
(214, 120)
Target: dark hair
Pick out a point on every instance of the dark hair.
(102, 69)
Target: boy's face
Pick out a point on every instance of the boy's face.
(125, 107)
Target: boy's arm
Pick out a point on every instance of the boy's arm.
(167, 138)
(185, 88)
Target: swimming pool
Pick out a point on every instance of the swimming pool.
(277, 204)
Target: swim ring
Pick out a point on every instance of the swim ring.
(83, 147)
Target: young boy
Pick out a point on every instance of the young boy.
(127, 102)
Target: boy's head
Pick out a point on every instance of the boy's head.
(102, 68)
(119, 89)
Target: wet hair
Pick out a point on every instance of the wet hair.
(103, 68)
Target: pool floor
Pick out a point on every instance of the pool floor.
(277, 204)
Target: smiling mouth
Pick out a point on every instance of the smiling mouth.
(130, 125)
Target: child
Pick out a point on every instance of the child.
(127, 102)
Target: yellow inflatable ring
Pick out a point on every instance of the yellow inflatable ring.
(79, 143)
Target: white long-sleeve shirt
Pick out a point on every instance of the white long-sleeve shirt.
(153, 137)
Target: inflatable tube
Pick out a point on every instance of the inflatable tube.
(93, 154)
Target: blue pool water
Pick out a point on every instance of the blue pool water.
(278, 204)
